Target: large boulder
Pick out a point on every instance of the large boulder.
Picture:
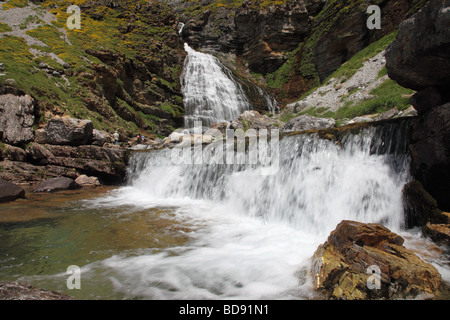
(56, 184)
(69, 131)
(16, 118)
(305, 123)
(420, 55)
(10, 192)
(430, 153)
(367, 261)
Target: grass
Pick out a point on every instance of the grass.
(387, 96)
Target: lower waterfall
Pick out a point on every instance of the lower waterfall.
(252, 235)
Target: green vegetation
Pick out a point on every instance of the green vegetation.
(387, 96)
(4, 27)
(14, 4)
(136, 32)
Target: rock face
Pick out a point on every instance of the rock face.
(420, 56)
(430, 152)
(69, 131)
(10, 192)
(21, 291)
(56, 184)
(367, 261)
(305, 122)
(419, 206)
(261, 34)
(16, 118)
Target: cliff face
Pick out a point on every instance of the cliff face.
(261, 34)
(294, 45)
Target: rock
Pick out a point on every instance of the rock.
(305, 122)
(13, 153)
(69, 131)
(430, 153)
(360, 120)
(419, 57)
(21, 291)
(99, 138)
(252, 119)
(439, 233)
(367, 261)
(11, 82)
(419, 206)
(56, 74)
(43, 65)
(427, 99)
(2, 66)
(410, 112)
(86, 181)
(56, 184)
(40, 155)
(10, 192)
(16, 119)
(40, 136)
(387, 115)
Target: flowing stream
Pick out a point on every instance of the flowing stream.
(213, 231)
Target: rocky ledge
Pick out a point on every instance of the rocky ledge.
(21, 291)
(368, 261)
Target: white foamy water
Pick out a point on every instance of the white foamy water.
(210, 93)
(252, 235)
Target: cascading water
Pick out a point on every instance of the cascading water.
(253, 234)
(211, 94)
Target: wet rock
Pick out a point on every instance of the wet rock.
(56, 184)
(305, 122)
(439, 233)
(419, 206)
(10, 191)
(430, 153)
(21, 291)
(419, 57)
(16, 118)
(367, 261)
(69, 131)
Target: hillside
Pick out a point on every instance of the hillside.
(120, 70)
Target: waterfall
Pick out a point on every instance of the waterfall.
(211, 94)
(252, 235)
(318, 182)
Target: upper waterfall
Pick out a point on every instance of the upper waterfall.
(211, 94)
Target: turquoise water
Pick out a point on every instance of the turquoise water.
(41, 236)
